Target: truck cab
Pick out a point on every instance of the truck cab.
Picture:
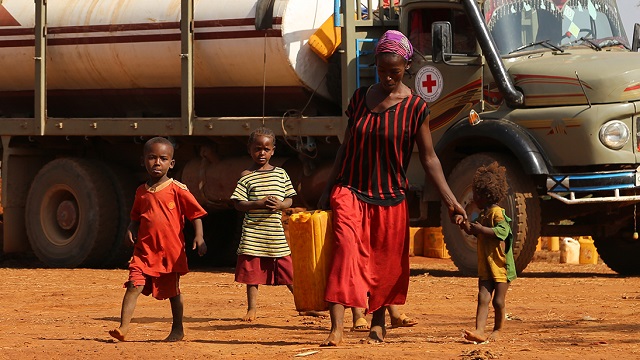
(550, 90)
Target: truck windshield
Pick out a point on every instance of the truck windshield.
(522, 25)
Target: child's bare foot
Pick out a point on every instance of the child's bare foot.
(118, 334)
(474, 336)
(376, 335)
(495, 335)
(250, 316)
(175, 335)
(334, 339)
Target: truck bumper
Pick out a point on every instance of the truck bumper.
(600, 187)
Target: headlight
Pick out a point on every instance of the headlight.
(614, 134)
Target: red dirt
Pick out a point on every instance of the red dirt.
(571, 311)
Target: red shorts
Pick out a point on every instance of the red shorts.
(256, 270)
(163, 287)
(370, 267)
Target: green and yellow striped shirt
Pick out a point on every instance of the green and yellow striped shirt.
(262, 231)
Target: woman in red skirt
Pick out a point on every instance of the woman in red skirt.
(367, 187)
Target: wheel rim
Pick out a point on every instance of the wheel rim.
(59, 215)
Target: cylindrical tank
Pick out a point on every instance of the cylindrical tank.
(110, 45)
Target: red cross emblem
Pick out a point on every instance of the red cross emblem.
(429, 83)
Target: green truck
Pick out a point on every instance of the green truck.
(550, 89)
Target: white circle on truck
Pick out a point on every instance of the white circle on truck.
(429, 83)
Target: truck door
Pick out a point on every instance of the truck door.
(450, 91)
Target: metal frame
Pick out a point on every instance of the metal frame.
(40, 85)
(186, 62)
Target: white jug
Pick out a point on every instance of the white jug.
(569, 251)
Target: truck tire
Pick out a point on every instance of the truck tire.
(124, 186)
(620, 251)
(71, 213)
(521, 205)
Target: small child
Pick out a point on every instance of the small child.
(496, 266)
(157, 221)
(262, 192)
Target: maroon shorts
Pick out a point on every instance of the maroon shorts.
(162, 287)
(256, 270)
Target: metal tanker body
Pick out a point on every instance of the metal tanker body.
(118, 50)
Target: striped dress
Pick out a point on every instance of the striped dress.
(377, 156)
(262, 231)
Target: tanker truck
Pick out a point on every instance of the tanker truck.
(549, 89)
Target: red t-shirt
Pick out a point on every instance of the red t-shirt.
(161, 211)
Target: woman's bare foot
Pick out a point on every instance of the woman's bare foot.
(376, 335)
(334, 339)
(474, 336)
(250, 316)
(495, 335)
(118, 333)
(320, 314)
(402, 321)
(175, 335)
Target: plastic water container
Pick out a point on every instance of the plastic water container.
(588, 252)
(325, 41)
(434, 246)
(416, 241)
(553, 243)
(569, 251)
(311, 243)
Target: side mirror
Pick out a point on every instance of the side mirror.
(636, 38)
(441, 41)
(264, 14)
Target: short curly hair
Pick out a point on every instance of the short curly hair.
(261, 131)
(490, 183)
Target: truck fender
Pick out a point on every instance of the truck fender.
(491, 135)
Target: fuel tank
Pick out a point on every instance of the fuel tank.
(129, 49)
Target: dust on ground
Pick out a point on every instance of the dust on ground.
(571, 311)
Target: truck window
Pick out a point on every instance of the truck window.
(521, 22)
(464, 40)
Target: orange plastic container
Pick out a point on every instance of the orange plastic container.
(434, 245)
(326, 39)
(416, 241)
(311, 243)
(588, 252)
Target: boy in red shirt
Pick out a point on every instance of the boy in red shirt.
(157, 220)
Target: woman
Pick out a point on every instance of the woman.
(367, 189)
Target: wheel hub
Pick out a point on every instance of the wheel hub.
(67, 215)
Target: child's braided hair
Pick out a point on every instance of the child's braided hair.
(262, 131)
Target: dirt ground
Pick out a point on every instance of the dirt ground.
(571, 311)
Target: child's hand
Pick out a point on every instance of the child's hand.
(129, 239)
(466, 226)
(199, 243)
(131, 236)
(272, 203)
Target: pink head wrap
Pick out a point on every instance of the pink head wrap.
(393, 41)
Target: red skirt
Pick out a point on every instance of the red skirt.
(256, 270)
(370, 267)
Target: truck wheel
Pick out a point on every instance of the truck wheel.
(620, 251)
(71, 213)
(124, 186)
(521, 205)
